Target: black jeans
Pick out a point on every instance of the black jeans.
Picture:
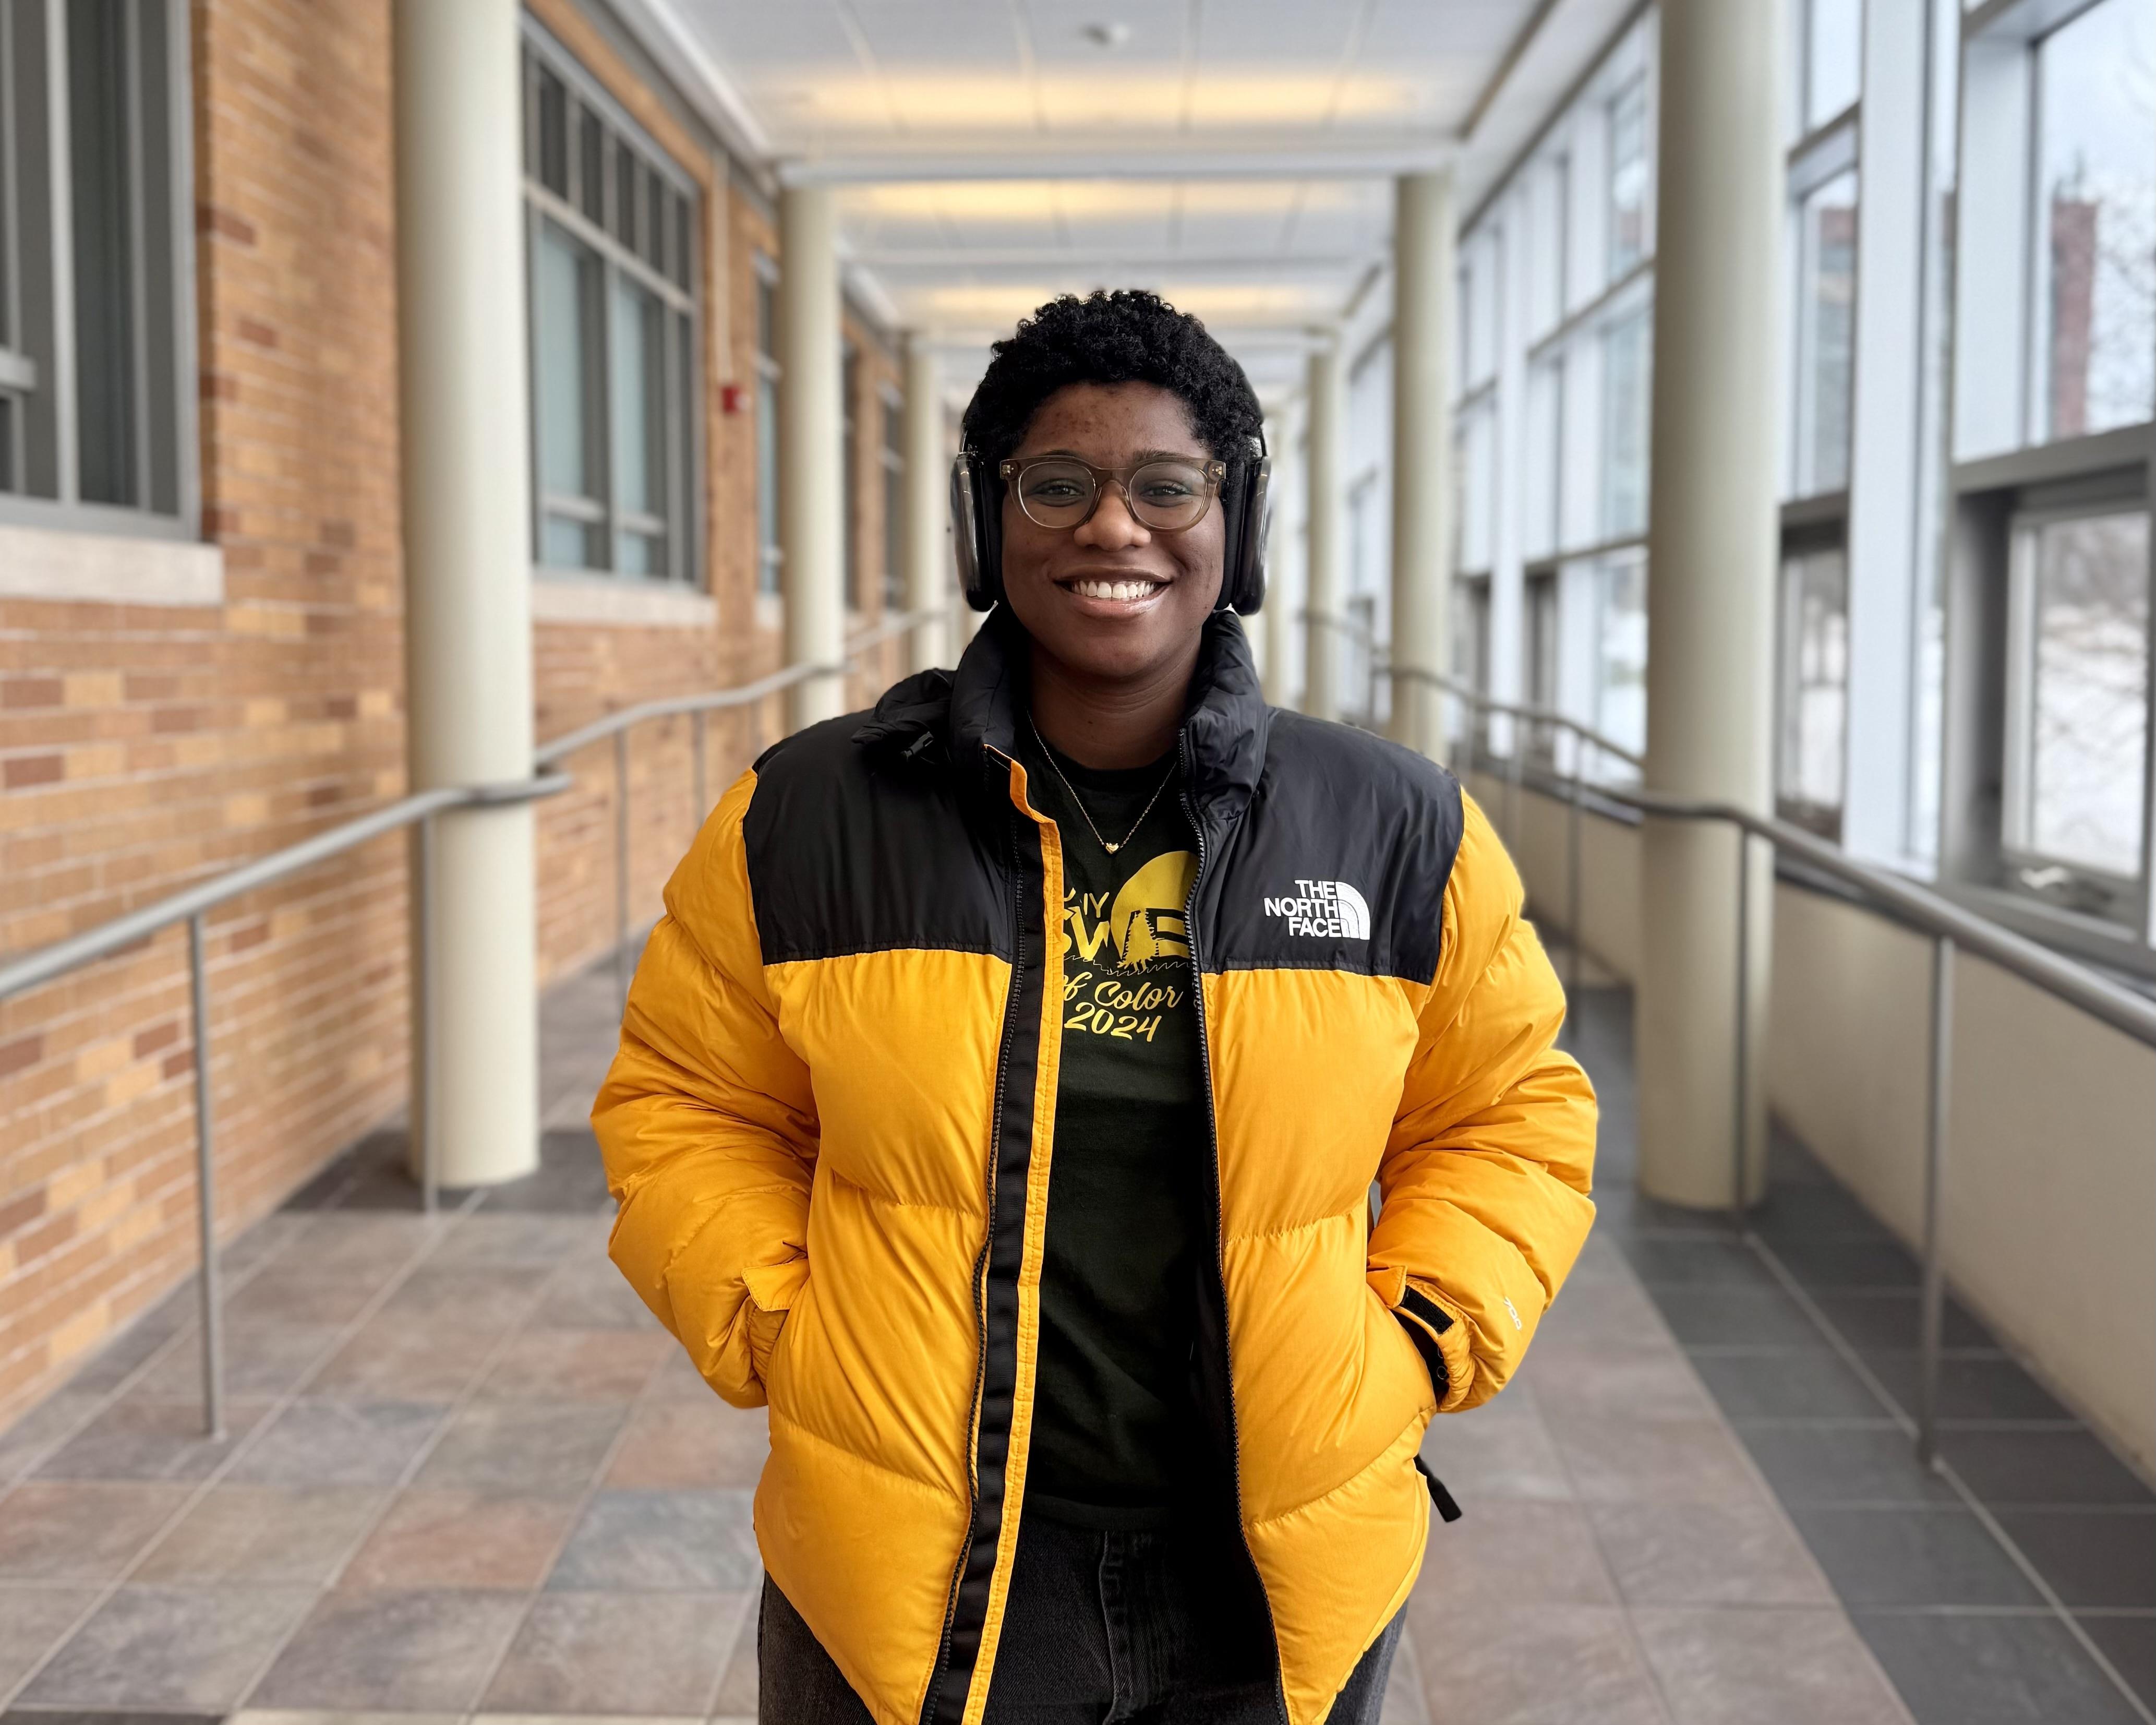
(1100, 1628)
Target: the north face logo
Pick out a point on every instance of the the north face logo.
(1326, 909)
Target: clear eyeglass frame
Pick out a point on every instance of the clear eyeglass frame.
(1148, 513)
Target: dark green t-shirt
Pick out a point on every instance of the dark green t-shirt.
(1117, 1441)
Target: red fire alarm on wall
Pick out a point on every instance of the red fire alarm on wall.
(731, 395)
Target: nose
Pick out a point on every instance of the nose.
(1111, 526)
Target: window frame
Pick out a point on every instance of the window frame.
(624, 147)
(164, 359)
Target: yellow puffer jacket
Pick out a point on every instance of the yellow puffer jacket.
(830, 1126)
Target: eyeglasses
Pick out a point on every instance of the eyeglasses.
(1166, 493)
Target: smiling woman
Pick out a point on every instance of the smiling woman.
(1107, 992)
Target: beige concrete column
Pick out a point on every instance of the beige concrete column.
(1712, 526)
(468, 562)
(931, 582)
(1327, 553)
(1423, 343)
(811, 448)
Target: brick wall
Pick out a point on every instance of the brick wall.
(145, 746)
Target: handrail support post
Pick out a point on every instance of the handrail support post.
(1932, 1307)
(423, 1042)
(621, 865)
(1742, 1028)
(212, 1309)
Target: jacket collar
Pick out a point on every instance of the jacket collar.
(962, 715)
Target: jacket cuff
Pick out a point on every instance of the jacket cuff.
(1439, 1334)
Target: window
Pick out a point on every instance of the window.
(1470, 640)
(1625, 347)
(1542, 650)
(1826, 331)
(613, 295)
(1549, 273)
(1628, 176)
(96, 202)
(1545, 463)
(894, 502)
(1813, 687)
(1475, 458)
(2078, 703)
(1833, 58)
(1620, 651)
(769, 557)
(2094, 353)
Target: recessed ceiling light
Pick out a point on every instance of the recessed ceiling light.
(1112, 34)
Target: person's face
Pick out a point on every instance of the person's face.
(1111, 600)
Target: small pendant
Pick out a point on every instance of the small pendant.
(1112, 848)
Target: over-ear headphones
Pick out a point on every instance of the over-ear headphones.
(977, 529)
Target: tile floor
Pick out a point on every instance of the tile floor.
(468, 1478)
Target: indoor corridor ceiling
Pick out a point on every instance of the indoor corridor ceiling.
(1236, 154)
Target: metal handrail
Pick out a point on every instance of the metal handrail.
(417, 814)
(1950, 926)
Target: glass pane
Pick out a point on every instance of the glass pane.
(682, 264)
(1815, 683)
(1620, 669)
(1834, 58)
(637, 392)
(1542, 641)
(1545, 464)
(1547, 272)
(1624, 385)
(100, 149)
(562, 309)
(1827, 311)
(1628, 177)
(553, 134)
(651, 242)
(2097, 191)
(1471, 638)
(625, 178)
(567, 545)
(1477, 458)
(2087, 659)
(9, 482)
(766, 319)
(591, 166)
(639, 554)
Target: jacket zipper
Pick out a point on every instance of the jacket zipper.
(940, 1672)
(1220, 1211)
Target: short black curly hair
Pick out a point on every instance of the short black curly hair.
(1128, 335)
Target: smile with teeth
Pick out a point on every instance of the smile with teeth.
(1116, 589)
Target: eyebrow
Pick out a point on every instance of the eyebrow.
(1141, 455)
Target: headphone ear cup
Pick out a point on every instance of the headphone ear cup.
(1248, 585)
(975, 539)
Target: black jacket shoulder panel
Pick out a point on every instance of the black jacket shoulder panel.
(856, 845)
(1340, 861)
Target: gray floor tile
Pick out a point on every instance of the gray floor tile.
(1540, 1554)
(485, 1240)
(405, 1357)
(43, 1429)
(70, 1530)
(1991, 1388)
(737, 1695)
(1784, 1383)
(34, 1619)
(261, 1359)
(619, 1653)
(1993, 1670)
(1741, 1317)
(691, 1446)
(392, 1652)
(2130, 1643)
(660, 1542)
(1941, 1555)
(1765, 1666)
(1707, 1554)
(262, 1535)
(2041, 1466)
(363, 1244)
(182, 1648)
(2089, 1560)
(1842, 1464)
(293, 1292)
(1822, 1265)
(592, 1296)
(576, 1365)
(1667, 1262)
(470, 1299)
(1657, 1386)
(315, 1442)
(138, 1437)
(1877, 1321)
(462, 1539)
(1614, 1459)
(124, 1355)
(1488, 1663)
(1407, 1700)
(536, 1449)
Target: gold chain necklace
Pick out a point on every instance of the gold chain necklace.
(1079, 801)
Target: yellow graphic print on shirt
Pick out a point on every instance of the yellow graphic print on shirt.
(1141, 939)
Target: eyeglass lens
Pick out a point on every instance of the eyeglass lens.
(1166, 494)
